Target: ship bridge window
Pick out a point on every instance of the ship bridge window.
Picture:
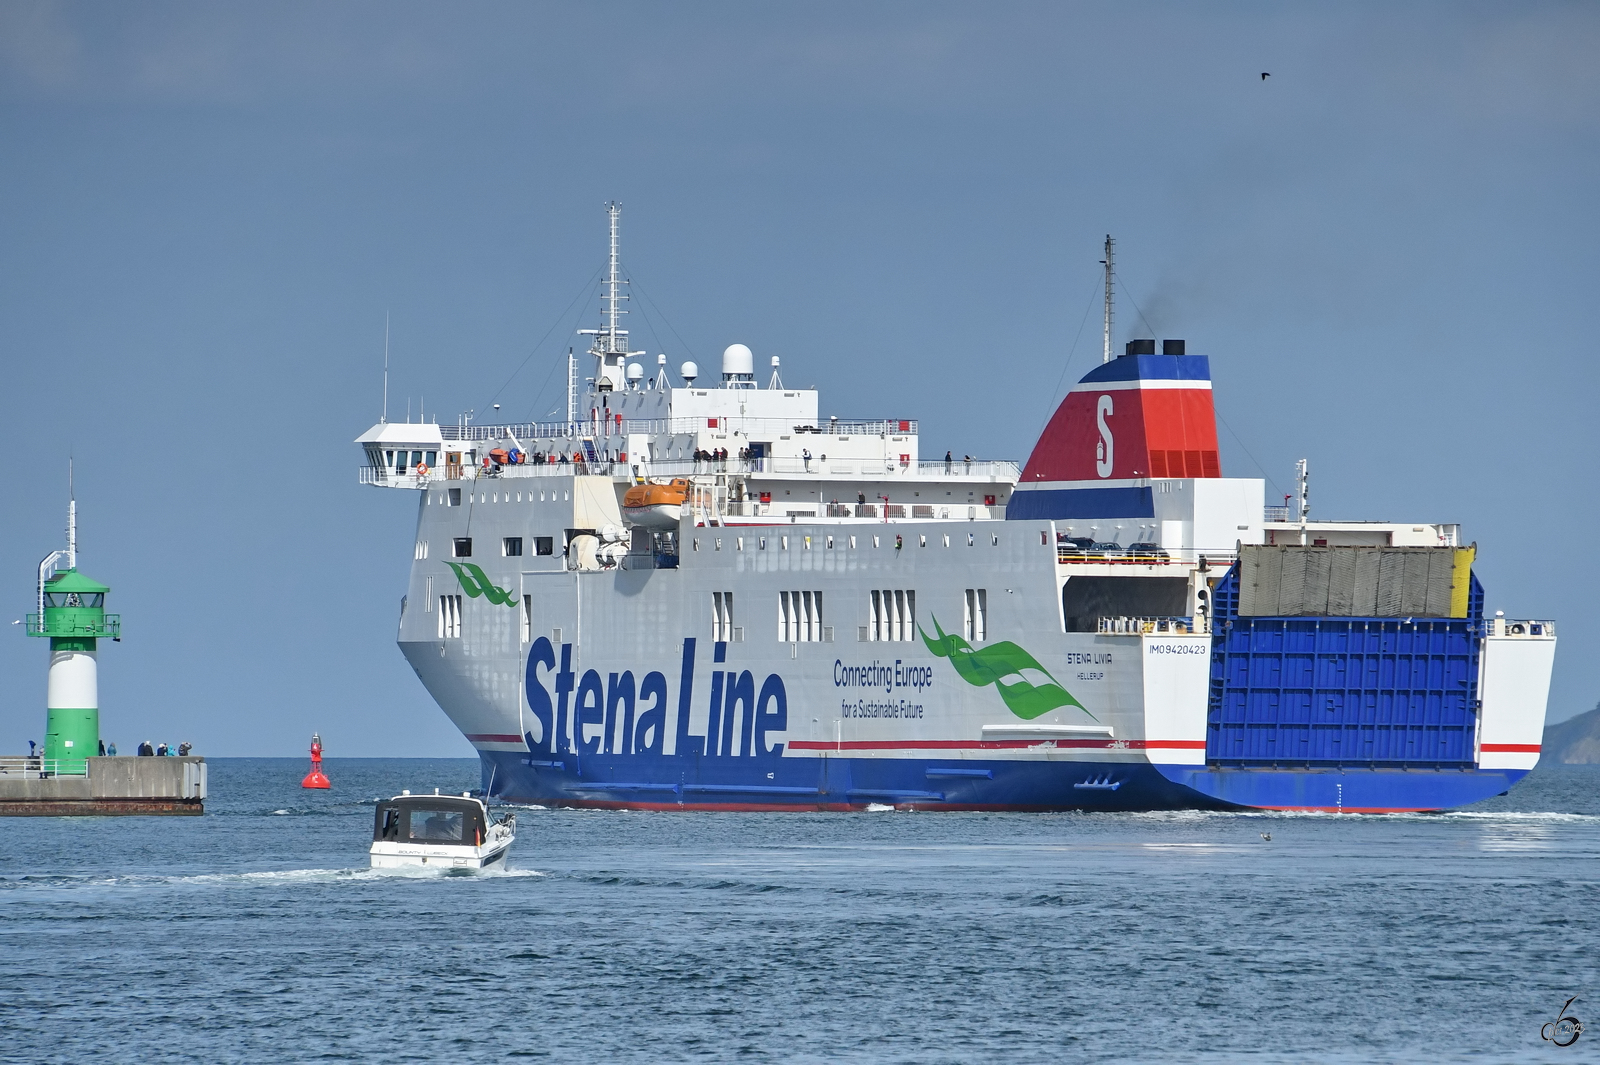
(463, 547)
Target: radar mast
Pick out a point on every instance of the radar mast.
(610, 347)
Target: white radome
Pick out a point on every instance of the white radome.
(736, 358)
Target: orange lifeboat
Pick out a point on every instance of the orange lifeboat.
(656, 506)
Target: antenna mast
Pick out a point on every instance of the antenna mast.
(613, 277)
(72, 519)
(1110, 263)
(572, 387)
(611, 343)
(385, 419)
(1302, 484)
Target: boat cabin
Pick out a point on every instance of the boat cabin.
(430, 819)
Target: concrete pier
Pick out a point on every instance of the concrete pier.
(31, 787)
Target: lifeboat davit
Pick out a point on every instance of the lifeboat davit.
(656, 506)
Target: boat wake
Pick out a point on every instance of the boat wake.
(260, 877)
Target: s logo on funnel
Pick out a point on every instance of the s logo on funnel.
(475, 582)
(1026, 686)
(1105, 459)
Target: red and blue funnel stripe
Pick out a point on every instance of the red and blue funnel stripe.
(1128, 420)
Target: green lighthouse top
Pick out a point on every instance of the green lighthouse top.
(71, 582)
(74, 606)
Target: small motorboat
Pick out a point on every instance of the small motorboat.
(656, 506)
(440, 832)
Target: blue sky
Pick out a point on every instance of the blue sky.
(1389, 250)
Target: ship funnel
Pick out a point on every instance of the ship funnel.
(1133, 419)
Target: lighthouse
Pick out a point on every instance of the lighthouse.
(72, 615)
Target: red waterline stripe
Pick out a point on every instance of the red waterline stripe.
(1347, 809)
(493, 737)
(990, 745)
(1530, 748)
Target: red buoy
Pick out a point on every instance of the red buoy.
(315, 778)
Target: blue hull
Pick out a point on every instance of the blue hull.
(842, 782)
(1345, 790)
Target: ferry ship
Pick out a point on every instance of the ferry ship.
(706, 595)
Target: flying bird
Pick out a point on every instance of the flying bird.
(1265, 75)
(1267, 836)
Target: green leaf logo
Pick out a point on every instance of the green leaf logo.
(475, 583)
(1026, 686)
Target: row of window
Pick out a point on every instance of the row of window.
(449, 617)
(722, 617)
(397, 459)
(800, 617)
(806, 543)
(451, 497)
(510, 546)
(892, 613)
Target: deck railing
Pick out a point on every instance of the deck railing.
(762, 428)
(1531, 629)
(1214, 559)
(1176, 626)
(963, 469)
(34, 768)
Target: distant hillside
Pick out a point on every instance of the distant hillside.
(1575, 741)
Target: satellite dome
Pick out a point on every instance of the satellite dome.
(738, 359)
(635, 371)
(689, 371)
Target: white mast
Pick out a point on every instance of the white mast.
(1302, 484)
(610, 345)
(572, 388)
(385, 418)
(613, 275)
(72, 520)
(1110, 264)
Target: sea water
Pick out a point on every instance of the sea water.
(257, 933)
